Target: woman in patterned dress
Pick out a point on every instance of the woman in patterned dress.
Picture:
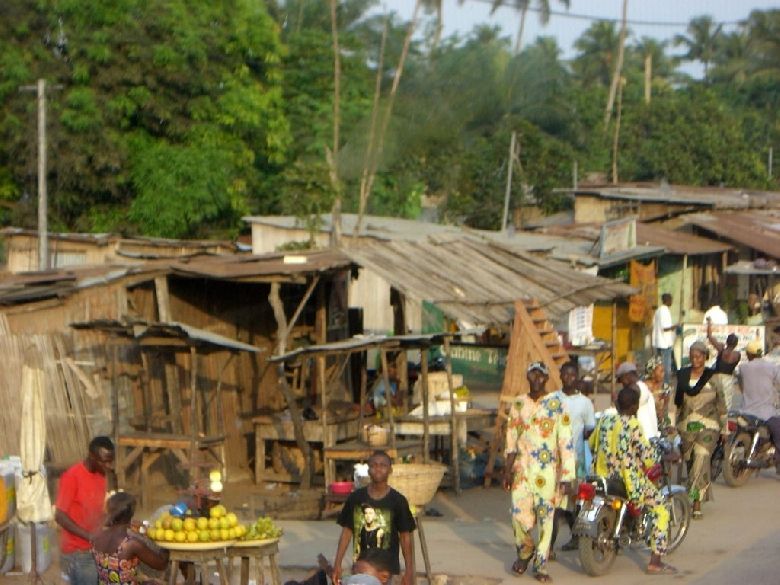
(701, 417)
(118, 549)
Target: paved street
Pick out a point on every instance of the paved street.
(737, 541)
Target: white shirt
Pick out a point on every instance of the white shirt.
(717, 315)
(582, 417)
(646, 413)
(661, 320)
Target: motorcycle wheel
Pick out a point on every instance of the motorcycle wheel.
(734, 471)
(680, 512)
(598, 554)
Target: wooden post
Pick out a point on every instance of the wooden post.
(289, 395)
(453, 421)
(323, 388)
(425, 394)
(614, 349)
(163, 299)
(363, 394)
(193, 411)
(388, 396)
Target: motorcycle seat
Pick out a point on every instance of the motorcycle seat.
(751, 419)
(616, 487)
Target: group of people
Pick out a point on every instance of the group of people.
(553, 440)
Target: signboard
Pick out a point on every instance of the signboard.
(617, 236)
(481, 366)
(698, 332)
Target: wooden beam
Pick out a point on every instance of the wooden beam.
(289, 396)
(453, 420)
(425, 394)
(163, 299)
(388, 397)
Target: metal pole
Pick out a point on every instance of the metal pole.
(43, 227)
(510, 166)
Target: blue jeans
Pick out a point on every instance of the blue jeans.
(667, 356)
(80, 568)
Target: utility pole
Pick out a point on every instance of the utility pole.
(43, 225)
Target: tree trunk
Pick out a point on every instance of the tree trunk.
(388, 112)
(332, 157)
(618, 66)
(521, 29)
(371, 132)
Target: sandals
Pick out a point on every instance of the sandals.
(543, 578)
(662, 569)
(698, 515)
(520, 566)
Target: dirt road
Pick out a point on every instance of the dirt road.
(737, 541)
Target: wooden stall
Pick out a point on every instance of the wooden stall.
(195, 435)
(340, 437)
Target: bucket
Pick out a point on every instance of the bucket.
(7, 541)
(23, 548)
(8, 472)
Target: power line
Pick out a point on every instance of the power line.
(630, 22)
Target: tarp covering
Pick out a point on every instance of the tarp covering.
(33, 503)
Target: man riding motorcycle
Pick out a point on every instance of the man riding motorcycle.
(760, 382)
(620, 450)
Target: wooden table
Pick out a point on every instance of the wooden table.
(359, 451)
(200, 559)
(259, 554)
(149, 446)
(471, 420)
(441, 425)
(279, 428)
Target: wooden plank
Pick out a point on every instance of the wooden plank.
(455, 451)
(163, 299)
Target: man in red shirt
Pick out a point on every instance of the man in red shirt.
(79, 510)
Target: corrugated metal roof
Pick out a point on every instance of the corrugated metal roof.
(651, 239)
(677, 242)
(759, 230)
(477, 281)
(33, 286)
(364, 342)
(147, 333)
(712, 197)
(261, 268)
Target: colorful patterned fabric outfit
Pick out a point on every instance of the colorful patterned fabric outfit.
(113, 570)
(620, 449)
(701, 414)
(539, 433)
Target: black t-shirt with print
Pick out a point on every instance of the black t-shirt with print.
(377, 523)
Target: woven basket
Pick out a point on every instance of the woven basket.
(417, 481)
(375, 435)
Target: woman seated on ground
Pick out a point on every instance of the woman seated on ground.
(118, 549)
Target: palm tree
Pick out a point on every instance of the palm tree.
(701, 42)
(522, 6)
(597, 50)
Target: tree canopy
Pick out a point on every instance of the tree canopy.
(176, 118)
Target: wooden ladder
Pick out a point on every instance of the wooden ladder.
(533, 339)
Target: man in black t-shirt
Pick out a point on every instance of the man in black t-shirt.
(377, 516)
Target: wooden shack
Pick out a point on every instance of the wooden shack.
(222, 295)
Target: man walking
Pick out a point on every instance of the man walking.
(663, 335)
(79, 510)
(760, 381)
(377, 516)
(583, 420)
(539, 468)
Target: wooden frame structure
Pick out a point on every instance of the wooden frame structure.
(340, 352)
(146, 446)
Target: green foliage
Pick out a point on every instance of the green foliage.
(176, 118)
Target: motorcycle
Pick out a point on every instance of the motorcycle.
(749, 449)
(608, 521)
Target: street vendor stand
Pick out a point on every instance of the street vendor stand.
(224, 557)
(353, 449)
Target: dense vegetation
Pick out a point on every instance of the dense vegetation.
(175, 118)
